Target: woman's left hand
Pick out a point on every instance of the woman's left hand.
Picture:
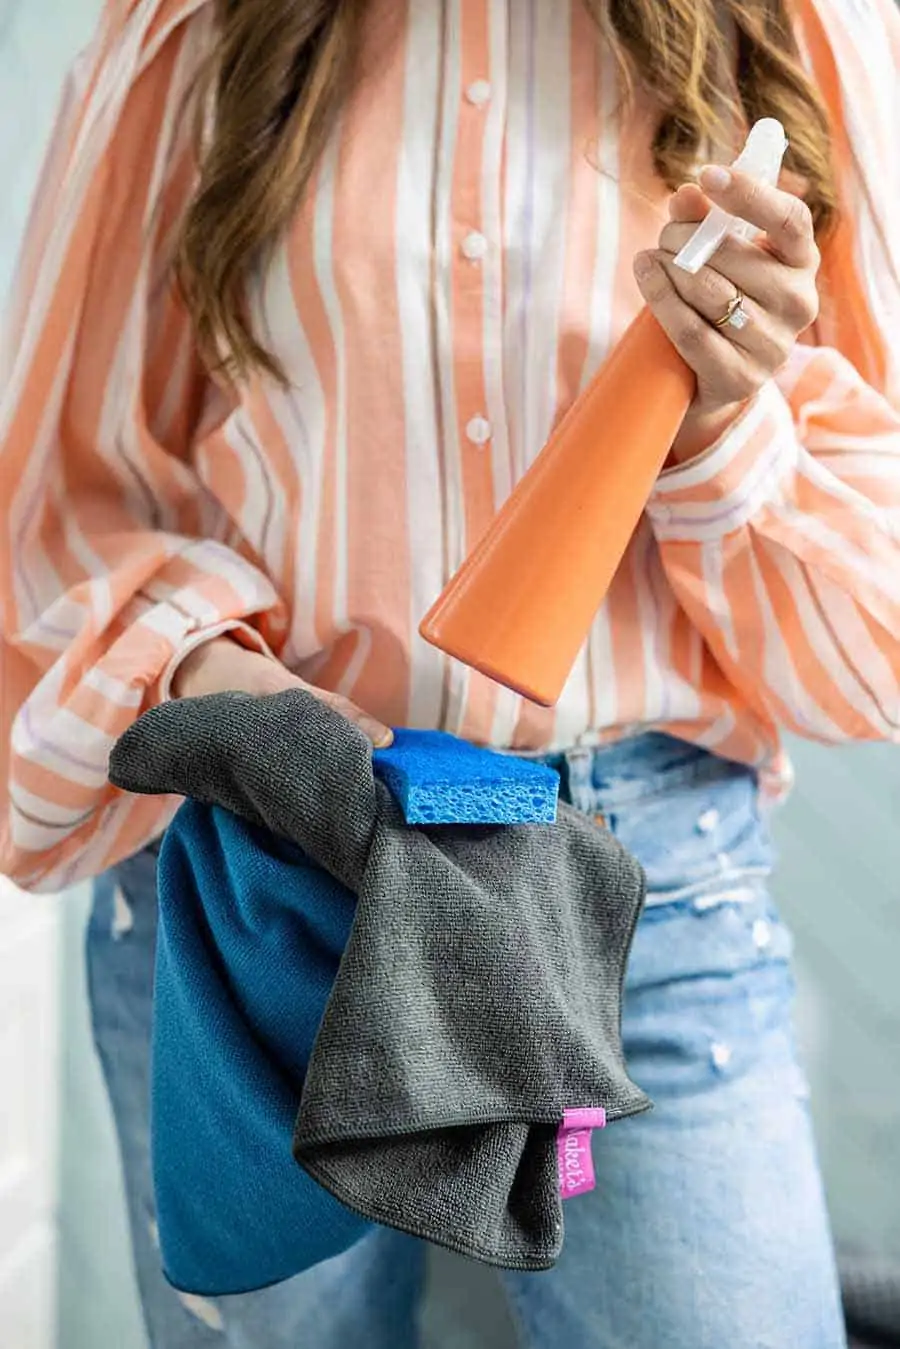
(777, 278)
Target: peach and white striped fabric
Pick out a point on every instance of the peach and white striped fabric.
(459, 271)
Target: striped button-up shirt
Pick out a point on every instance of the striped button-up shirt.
(459, 269)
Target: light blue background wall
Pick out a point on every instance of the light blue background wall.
(839, 884)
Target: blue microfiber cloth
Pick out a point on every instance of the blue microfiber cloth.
(438, 779)
(250, 937)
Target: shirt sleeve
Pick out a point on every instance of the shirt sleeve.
(114, 561)
(782, 542)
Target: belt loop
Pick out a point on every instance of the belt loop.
(579, 765)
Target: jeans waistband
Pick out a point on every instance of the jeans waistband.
(613, 776)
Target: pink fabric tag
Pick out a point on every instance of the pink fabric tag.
(573, 1147)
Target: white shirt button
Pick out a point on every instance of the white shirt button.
(479, 93)
(479, 430)
(474, 246)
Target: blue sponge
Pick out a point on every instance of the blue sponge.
(438, 779)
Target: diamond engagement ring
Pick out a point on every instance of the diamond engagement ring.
(735, 315)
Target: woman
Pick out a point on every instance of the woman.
(406, 236)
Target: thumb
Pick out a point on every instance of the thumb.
(223, 666)
(380, 735)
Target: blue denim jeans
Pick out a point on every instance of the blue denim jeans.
(707, 1228)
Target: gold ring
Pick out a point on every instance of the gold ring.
(735, 315)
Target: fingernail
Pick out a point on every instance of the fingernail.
(381, 738)
(643, 265)
(715, 178)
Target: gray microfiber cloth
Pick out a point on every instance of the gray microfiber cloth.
(479, 994)
(870, 1286)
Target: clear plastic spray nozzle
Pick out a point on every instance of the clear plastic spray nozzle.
(761, 158)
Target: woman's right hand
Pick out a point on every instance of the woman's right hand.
(224, 666)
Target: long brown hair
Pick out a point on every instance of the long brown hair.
(281, 69)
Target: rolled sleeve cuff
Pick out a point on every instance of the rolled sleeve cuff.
(239, 632)
(224, 595)
(722, 489)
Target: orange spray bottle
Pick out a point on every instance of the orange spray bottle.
(521, 606)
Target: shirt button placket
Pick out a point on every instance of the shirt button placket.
(474, 248)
